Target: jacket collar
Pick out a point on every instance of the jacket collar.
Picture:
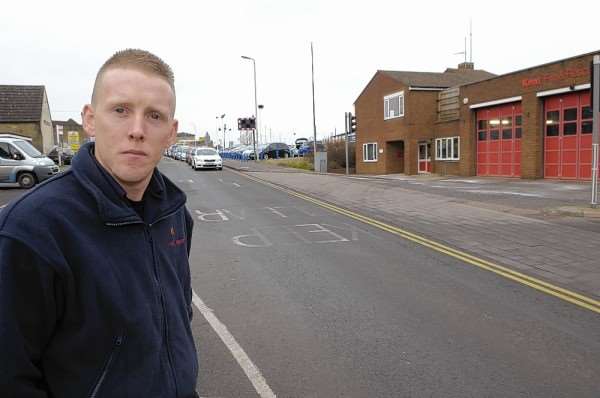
(162, 197)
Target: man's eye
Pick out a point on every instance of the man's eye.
(120, 109)
(155, 115)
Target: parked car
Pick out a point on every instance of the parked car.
(206, 158)
(21, 163)
(188, 155)
(171, 150)
(66, 154)
(300, 141)
(275, 150)
(249, 153)
(307, 148)
(181, 152)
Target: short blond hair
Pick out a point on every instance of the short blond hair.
(137, 59)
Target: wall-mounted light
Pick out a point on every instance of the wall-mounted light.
(494, 122)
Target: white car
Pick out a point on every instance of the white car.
(206, 158)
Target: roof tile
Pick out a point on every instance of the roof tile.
(21, 103)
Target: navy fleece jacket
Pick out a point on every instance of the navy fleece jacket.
(94, 300)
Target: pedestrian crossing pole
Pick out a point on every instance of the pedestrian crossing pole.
(595, 127)
(347, 117)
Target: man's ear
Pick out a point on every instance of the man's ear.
(89, 122)
(173, 132)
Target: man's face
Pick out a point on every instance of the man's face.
(132, 121)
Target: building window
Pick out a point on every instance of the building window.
(447, 148)
(393, 105)
(370, 152)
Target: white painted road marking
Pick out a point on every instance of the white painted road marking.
(236, 184)
(252, 372)
(491, 192)
(241, 215)
(260, 241)
(276, 212)
(218, 213)
(338, 238)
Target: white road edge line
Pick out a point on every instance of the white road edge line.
(252, 372)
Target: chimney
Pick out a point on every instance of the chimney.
(466, 66)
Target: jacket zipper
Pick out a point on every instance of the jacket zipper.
(118, 343)
(162, 303)
(120, 224)
(147, 228)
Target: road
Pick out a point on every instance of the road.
(304, 302)
(294, 300)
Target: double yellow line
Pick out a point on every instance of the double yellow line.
(548, 288)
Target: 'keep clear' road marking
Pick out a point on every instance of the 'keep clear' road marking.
(252, 372)
(236, 184)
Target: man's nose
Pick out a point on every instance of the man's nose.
(137, 130)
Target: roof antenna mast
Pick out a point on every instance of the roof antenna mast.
(470, 40)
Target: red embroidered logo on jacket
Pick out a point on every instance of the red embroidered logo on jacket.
(175, 242)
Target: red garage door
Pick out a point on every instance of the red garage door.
(568, 136)
(499, 140)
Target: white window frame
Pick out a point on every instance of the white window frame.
(366, 151)
(446, 145)
(386, 106)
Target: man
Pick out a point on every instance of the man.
(95, 293)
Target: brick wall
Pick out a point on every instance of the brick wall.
(370, 124)
(449, 167)
(420, 120)
(418, 124)
(526, 83)
(31, 130)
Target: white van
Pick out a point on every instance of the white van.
(21, 163)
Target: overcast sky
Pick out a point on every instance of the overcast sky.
(61, 44)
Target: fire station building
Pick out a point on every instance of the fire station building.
(532, 123)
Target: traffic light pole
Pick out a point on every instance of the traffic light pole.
(595, 127)
(347, 128)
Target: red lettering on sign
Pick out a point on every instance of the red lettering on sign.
(568, 73)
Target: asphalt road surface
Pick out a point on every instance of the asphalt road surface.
(293, 300)
(303, 302)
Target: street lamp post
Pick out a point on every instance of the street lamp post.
(255, 106)
(223, 124)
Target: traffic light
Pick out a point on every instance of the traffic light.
(246, 123)
(352, 124)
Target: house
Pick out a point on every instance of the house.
(24, 111)
(396, 118)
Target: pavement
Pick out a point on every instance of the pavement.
(542, 228)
